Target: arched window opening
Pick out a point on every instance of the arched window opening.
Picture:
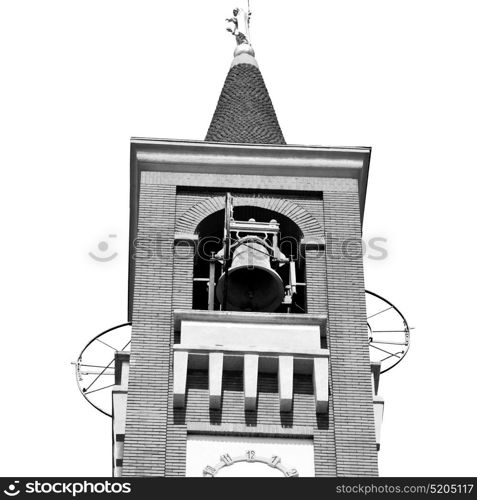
(265, 271)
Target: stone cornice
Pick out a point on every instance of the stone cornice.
(245, 159)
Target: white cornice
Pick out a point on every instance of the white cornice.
(248, 159)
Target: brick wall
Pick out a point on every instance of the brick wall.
(181, 299)
(352, 404)
(146, 417)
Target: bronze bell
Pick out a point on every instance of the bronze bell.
(252, 284)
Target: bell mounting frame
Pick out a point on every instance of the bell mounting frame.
(245, 232)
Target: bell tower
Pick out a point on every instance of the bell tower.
(249, 352)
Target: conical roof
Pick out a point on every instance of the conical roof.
(245, 112)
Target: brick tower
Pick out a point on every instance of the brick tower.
(249, 351)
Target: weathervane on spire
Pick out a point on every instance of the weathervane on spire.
(239, 25)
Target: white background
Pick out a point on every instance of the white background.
(79, 78)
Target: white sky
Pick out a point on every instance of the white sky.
(80, 78)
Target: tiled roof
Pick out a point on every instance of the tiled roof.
(245, 113)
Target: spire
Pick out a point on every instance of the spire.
(244, 112)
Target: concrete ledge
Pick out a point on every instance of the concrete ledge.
(243, 351)
(285, 382)
(250, 379)
(320, 383)
(180, 377)
(246, 317)
(216, 368)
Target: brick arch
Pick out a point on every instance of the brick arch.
(308, 224)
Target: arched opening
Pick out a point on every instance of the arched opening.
(211, 232)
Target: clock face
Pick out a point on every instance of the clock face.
(249, 458)
(215, 455)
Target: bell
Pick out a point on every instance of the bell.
(252, 284)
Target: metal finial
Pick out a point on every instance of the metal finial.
(239, 25)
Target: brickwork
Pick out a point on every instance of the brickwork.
(308, 224)
(262, 182)
(146, 418)
(181, 299)
(317, 303)
(352, 406)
